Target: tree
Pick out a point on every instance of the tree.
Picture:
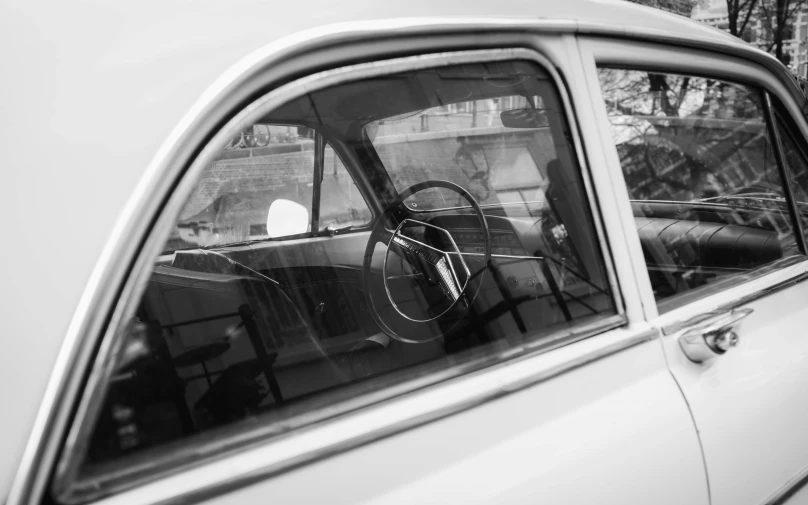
(681, 7)
(776, 18)
(740, 11)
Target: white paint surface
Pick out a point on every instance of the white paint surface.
(615, 431)
(751, 404)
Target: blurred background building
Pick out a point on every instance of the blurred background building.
(681, 7)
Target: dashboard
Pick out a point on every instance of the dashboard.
(516, 245)
(503, 242)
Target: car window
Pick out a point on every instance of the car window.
(457, 146)
(483, 246)
(262, 165)
(794, 155)
(707, 196)
(342, 206)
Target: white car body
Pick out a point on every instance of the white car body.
(106, 102)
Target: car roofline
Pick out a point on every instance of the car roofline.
(720, 41)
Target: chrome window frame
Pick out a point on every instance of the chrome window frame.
(74, 450)
(649, 56)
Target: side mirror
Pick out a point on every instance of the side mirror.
(285, 218)
(524, 118)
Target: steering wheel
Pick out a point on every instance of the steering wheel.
(431, 287)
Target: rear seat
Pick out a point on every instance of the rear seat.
(691, 244)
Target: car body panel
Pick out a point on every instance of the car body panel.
(751, 453)
(749, 404)
(572, 439)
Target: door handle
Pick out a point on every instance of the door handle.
(713, 336)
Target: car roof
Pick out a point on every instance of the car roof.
(288, 18)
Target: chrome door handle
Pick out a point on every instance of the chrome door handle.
(713, 336)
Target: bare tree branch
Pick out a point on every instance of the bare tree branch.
(775, 18)
(739, 10)
(749, 7)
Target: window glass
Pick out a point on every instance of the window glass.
(230, 204)
(244, 327)
(705, 188)
(261, 165)
(341, 204)
(794, 155)
(467, 143)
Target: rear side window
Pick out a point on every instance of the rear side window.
(369, 238)
(708, 199)
(794, 155)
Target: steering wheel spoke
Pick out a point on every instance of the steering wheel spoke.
(383, 236)
(428, 287)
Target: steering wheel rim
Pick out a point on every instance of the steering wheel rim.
(380, 234)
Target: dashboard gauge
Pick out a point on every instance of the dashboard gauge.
(503, 242)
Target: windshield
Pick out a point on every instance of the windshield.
(268, 164)
(466, 143)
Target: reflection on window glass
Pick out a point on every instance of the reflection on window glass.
(272, 163)
(231, 202)
(244, 326)
(341, 203)
(467, 143)
(796, 164)
(707, 196)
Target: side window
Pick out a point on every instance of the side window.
(508, 174)
(794, 152)
(705, 188)
(484, 247)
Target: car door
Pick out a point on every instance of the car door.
(548, 385)
(711, 196)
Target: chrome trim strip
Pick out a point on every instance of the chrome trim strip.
(501, 256)
(75, 446)
(482, 206)
(379, 421)
(405, 242)
(673, 327)
(782, 495)
(765, 292)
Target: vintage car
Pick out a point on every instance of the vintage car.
(429, 252)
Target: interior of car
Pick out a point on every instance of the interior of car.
(706, 192)
(385, 225)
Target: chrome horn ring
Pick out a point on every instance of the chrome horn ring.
(436, 267)
(445, 273)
